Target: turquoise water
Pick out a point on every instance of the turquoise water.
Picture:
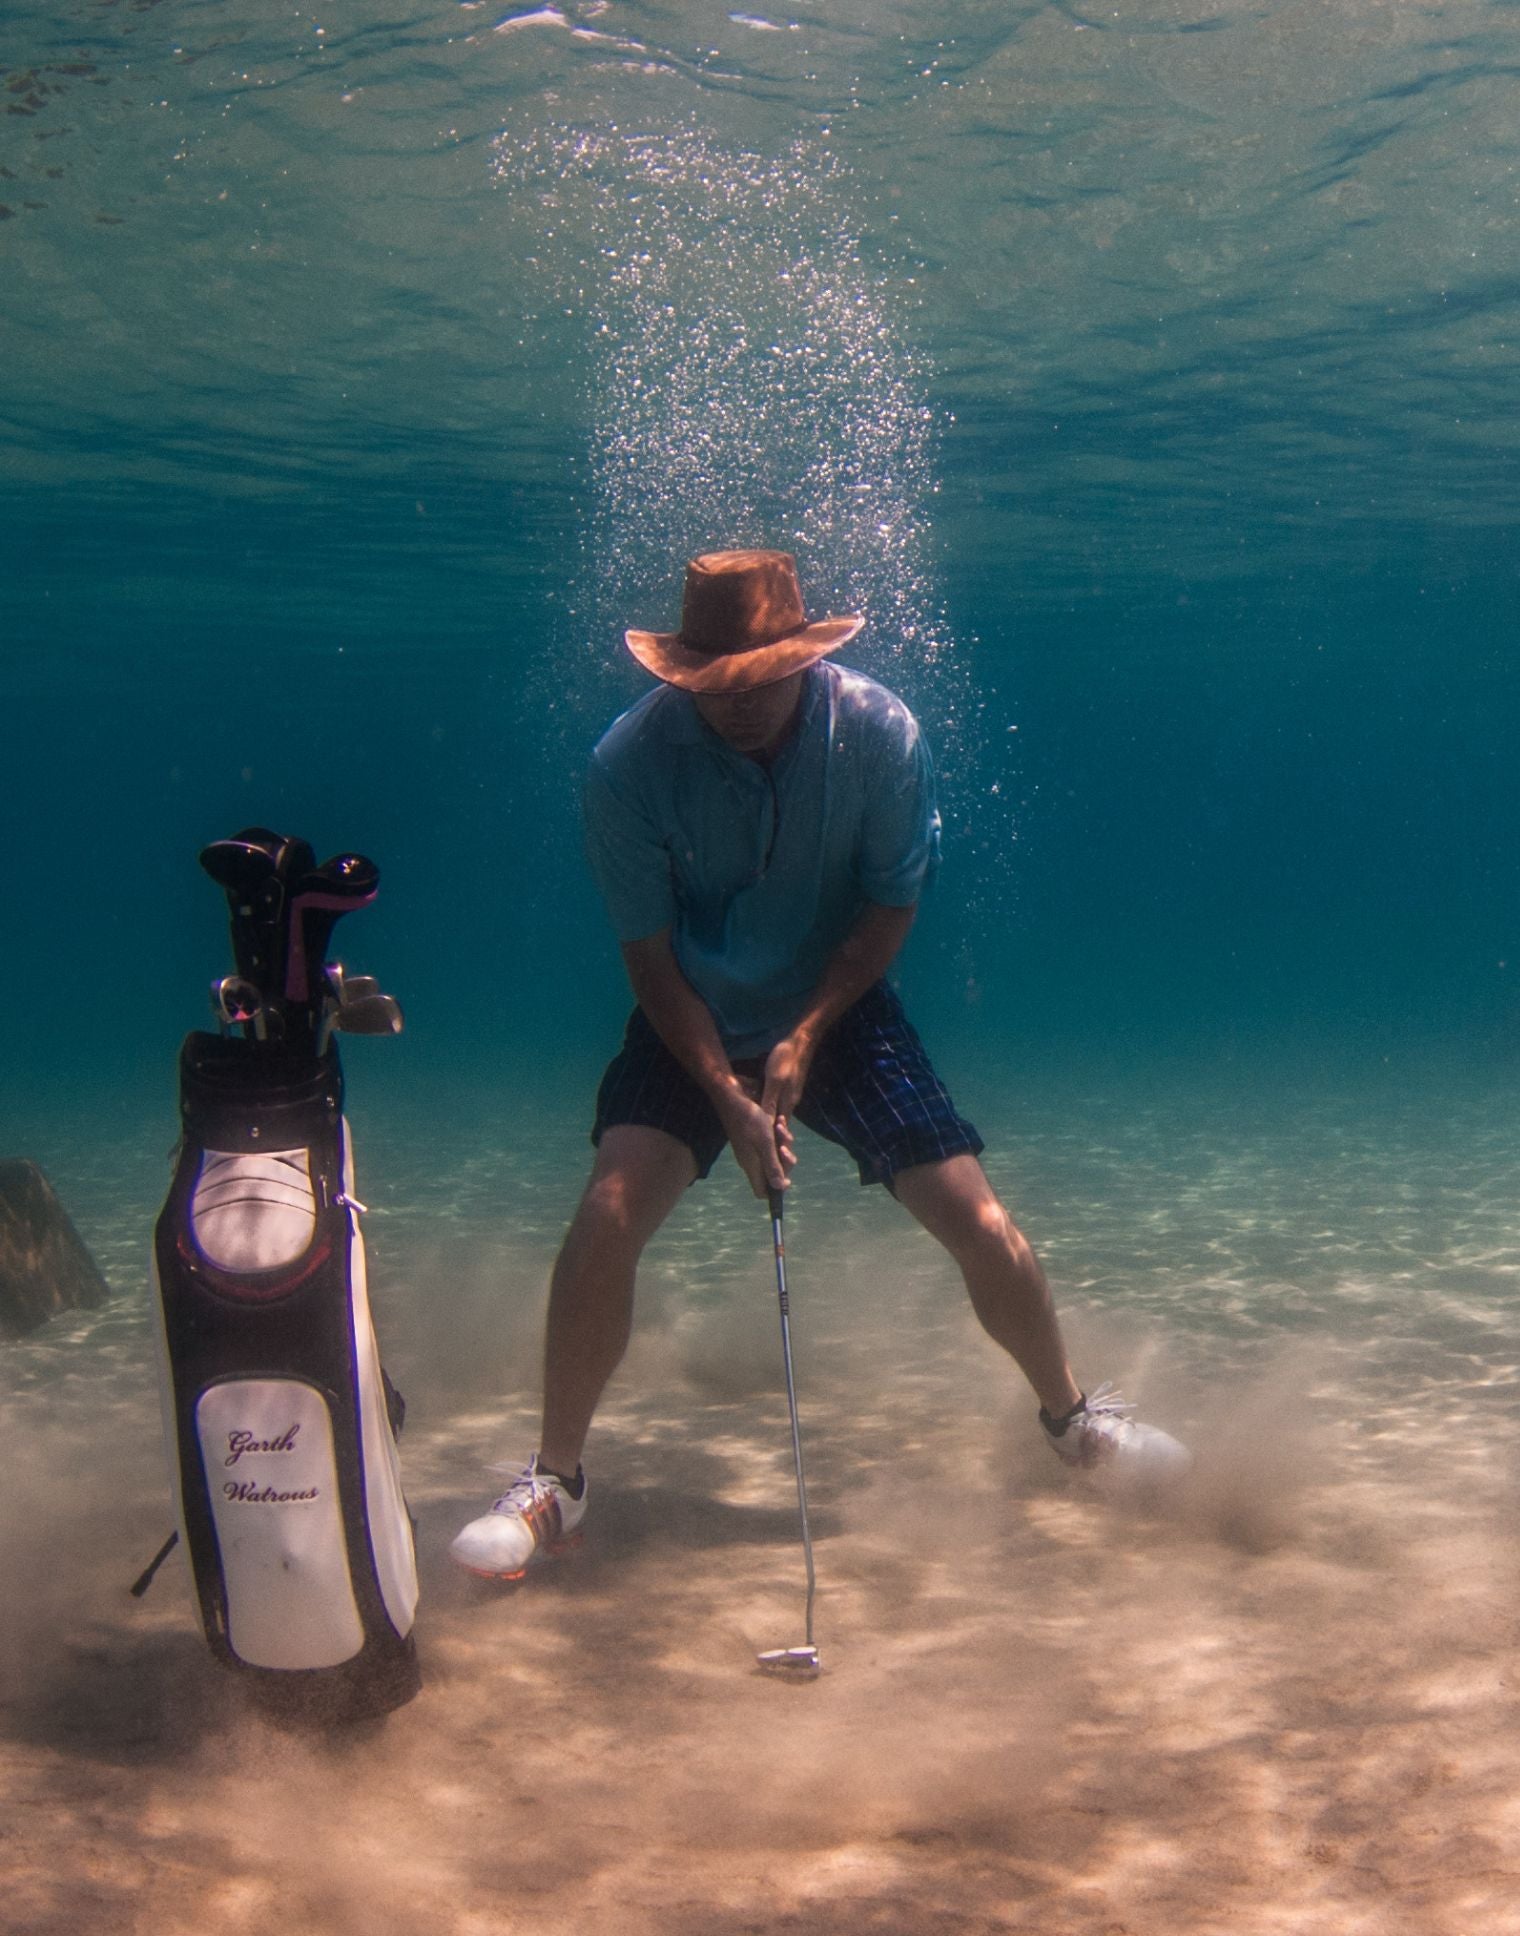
(1146, 374)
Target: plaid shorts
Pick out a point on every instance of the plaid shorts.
(871, 1089)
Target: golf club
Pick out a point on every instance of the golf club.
(354, 1004)
(364, 1010)
(797, 1663)
(238, 1003)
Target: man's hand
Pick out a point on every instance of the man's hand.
(786, 1072)
(761, 1141)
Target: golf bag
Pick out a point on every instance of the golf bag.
(280, 1423)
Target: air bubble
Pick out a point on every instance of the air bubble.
(749, 380)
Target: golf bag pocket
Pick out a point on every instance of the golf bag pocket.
(253, 1211)
(268, 1451)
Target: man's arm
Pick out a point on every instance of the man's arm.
(759, 1128)
(860, 961)
(684, 1023)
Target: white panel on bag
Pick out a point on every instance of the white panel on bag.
(267, 1444)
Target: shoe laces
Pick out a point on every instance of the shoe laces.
(525, 1491)
(1107, 1401)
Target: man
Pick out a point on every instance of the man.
(761, 827)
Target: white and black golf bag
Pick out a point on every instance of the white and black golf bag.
(281, 1425)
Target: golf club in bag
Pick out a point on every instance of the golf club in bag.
(280, 1424)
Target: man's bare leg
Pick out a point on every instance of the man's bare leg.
(954, 1202)
(638, 1178)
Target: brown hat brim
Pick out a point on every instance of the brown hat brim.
(663, 654)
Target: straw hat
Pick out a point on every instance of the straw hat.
(742, 625)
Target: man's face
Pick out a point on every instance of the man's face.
(752, 722)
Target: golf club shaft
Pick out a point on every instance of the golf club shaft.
(791, 1397)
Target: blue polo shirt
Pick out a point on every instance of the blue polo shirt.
(760, 872)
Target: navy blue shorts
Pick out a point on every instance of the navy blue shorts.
(871, 1089)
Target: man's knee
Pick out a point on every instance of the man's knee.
(979, 1228)
(985, 1242)
(613, 1210)
(638, 1178)
(955, 1203)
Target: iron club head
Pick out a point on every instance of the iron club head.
(795, 1663)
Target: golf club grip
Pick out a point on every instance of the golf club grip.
(776, 1199)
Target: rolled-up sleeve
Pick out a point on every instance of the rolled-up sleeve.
(899, 848)
(628, 859)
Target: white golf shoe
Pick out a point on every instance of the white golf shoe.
(535, 1518)
(1111, 1449)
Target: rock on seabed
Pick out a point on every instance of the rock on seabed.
(44, 1265)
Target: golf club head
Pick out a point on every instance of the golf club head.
(791, 1663)
(369, 1015)
(235, 1000)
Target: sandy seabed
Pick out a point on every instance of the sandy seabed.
(1283, 1702)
